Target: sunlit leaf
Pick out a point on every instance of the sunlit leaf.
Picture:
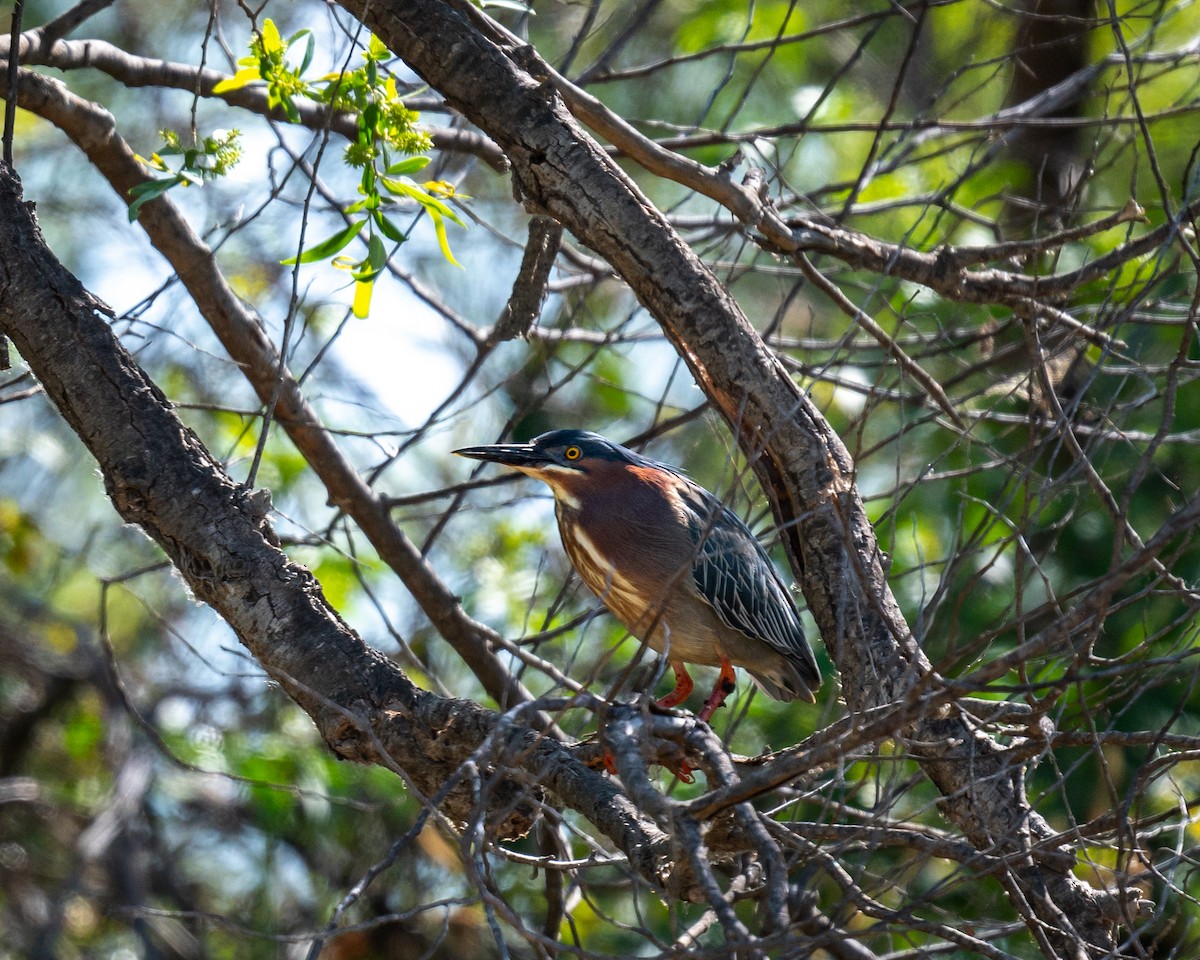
(439, 226)
(271, 41)
(406, 188)
(362, 297)
(376, 49)
(409, 165)
(246, 75)
(328, 247)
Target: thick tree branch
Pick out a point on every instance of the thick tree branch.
(159, 476)
(559, 170)
(241, 333)
(532, 282)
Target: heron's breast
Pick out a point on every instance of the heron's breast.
(604, 579)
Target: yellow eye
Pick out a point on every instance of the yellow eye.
(572, 453)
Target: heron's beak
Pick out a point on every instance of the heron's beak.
(522, 456)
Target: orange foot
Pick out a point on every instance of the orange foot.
(683, 771)
(683, 687)
(722, 689)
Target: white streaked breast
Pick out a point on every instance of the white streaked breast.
(602, 577)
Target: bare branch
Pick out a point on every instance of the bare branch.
(801, 462)
(242, 335)
(160, 476)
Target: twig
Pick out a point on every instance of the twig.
(67, 21)
(10, 102)
(42, 50)
(931, 387)
(961, 257)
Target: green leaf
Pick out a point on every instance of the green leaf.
(434, 205)
(387, 228)
(327, 248)
(439, 226)
(271, 41)
(437, 210)
(403, 188)
(447, 212)
(145, 192)
(376, 49)
(411, 165)
(369, 120)
(309, 48)
(376, 254)
(425, 199)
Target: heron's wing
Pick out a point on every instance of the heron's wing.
(735, 575)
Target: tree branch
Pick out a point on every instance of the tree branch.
(45, 49)
(242, 335)
(943, 271)
(559, 170)
(159, 476)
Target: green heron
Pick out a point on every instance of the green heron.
(679, 569)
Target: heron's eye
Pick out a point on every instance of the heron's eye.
(572, 453)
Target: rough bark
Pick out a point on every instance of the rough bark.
(160, 477)
(217, 536)
(558, 170)
(241, 333)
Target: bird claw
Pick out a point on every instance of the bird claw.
(683, 770)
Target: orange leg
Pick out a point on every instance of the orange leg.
(683, 687)
(723, 688)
